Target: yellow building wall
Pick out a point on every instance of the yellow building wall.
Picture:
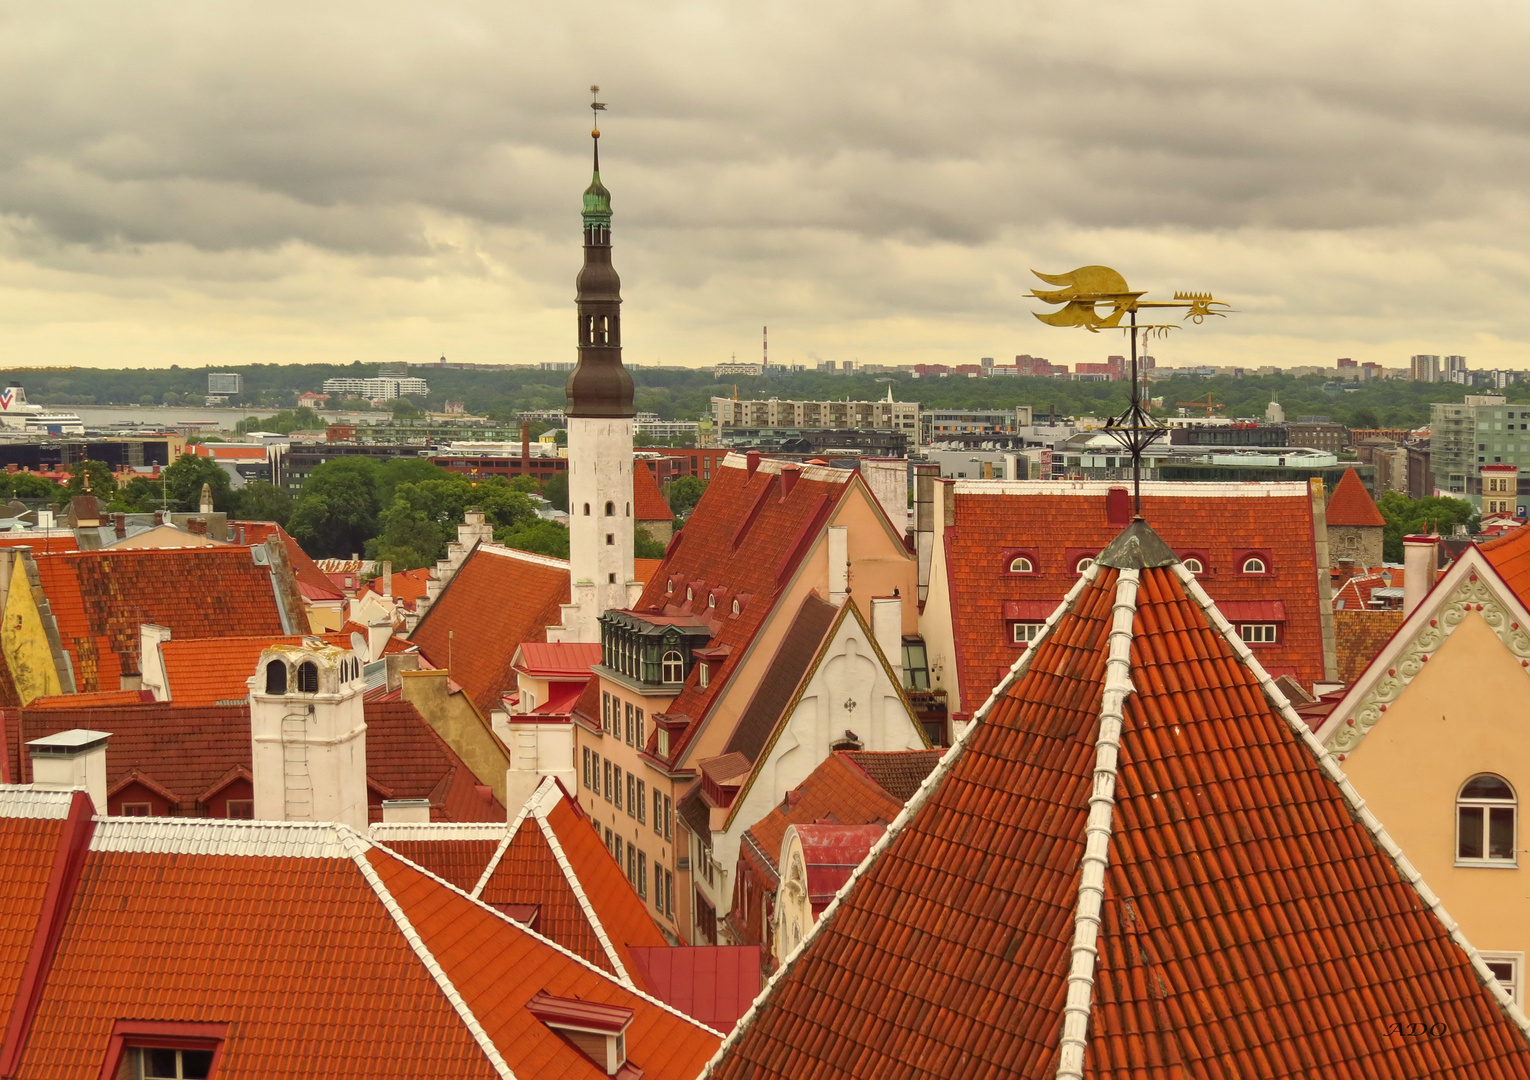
(24, 641)
(460, 726)
(1466, 712)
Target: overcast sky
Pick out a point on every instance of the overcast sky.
(265, 181)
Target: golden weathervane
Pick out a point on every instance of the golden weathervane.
(1097, 298)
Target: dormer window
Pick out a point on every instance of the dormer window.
(1194, 565)
(674, 667)
(1083, 564)
(164, 1050)
(711, 600)
(690, 594)
(705, 675)
(156, 1063)
(595, 1029)
(1020, 564)
(736, 608)
(1254, 565)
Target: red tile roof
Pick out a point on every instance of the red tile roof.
(312, 582)
(715, 984)
(553, 859)
(1055, 525)
(186, 750)
(1356, 593)
(408, 586)
(647, 501)
(1510, 556)
(1360, 635)
(45, 540)
(746, 539)
(498, 599)
(91, 701)
(454, 853)
(1225, 854)
(209, 671)
(643, 570)
(30, 829)
(1351, 504)
(100, 598)
(264, 926)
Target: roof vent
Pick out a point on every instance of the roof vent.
(751, 463)
(789, 475)
(598, 1031)
(1118, 506)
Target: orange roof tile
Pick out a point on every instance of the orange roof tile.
(233, 911)
(643, 570)
(100, 598)
(31, 827)
(408, 585)
(1144, 780)
(313, 582)
(212, 671)
(44, 541)
(91, 701)
(1351, 504)
(1360, 635)
(553, 859)
(1054, 527)
(647, 501)
(498, 599)
(454, 853)
(1510, 556)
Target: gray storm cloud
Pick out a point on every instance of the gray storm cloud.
(347, 181)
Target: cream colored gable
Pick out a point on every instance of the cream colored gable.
(1471, 589)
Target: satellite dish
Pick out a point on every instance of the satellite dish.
(359, 645)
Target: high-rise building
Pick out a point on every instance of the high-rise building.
(225, 382)
(600, 432)
(1454, 370)
(1482, 430)
(1424, 368)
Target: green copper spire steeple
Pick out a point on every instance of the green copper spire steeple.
(597, 200)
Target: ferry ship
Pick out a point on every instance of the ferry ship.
(15, 412)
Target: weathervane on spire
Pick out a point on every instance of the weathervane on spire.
(1096, 298)
(596, 107)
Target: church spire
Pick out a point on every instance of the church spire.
(599, 386)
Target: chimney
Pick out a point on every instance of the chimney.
(1118, 506)
(161, 517)
(887, 628)
(839, 564)
(206, 506)
(387, 579)
(72, 759)
(406, 811)
(1421, 563)
(789, 475)
(119, 521)
(751, 463)
(197, 526)
(378, 635)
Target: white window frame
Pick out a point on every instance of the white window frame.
(1015, 566)
(1083, 564)
(136, 809)
(1515, 985)
(676, 667)
(1487, 805)
(1193, 565)
(1259, 633)
(1023, 633)
(1258, 565)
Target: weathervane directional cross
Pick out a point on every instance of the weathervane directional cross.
(1097, 298)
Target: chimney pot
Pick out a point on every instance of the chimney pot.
(196, 526)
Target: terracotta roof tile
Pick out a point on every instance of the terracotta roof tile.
(100, 598)
(1360, 635)
(1351, 504)
(460, 862)
(1228, 851)
(647, 502)
(1055, 530)
(498, 598)
(210, 671)
(312, 582)
(897, 772)
(408, 586)
(27, 850)
(1510, 556)
(643, 570)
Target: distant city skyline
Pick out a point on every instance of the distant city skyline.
(286, 182)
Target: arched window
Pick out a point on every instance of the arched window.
(1193, 565)
(711, 600)
(586, 509)
(308, 677)
(1253, 565)
(669, 585)
(276, 677)
(1083, 564)
(1021, 565)
(690, 594)
(610, 509)
(674, 667)
(736, 608)
(1485, 823)
(629, 509)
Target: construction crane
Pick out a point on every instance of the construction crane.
(1210, 405)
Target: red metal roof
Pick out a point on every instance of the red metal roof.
(100, 598)
(559, 660)
(1054, 527)
(1351, 504)
(498, 599)
(1230, 857)
(831, 853)
(714, 984)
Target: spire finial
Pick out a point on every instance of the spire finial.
(596, 106)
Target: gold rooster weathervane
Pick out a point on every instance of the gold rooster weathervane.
(1097, 298)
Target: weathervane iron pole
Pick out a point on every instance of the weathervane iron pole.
(1096, 298)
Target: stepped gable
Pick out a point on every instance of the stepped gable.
(1351, 503)
(187, 751)
(1137, 861)
(259, 931)
(100, 598)
(648, 503)
(1055, 525)
(551, 862)
(312, 582)
(498, 598)
(745, 539)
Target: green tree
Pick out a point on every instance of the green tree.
(404, 409)
(405, 470)
(645, 546)
(284, 422)
(260, 501)
(139, 495)
(1365, 419)
(336, 514)
(183, 482)
(21, 485)
(1405, 516)
(537, 536)
(684, 493)
(555, 491)
(91, 478)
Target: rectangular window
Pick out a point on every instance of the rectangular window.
(658, 886)
(616, 849)
(605, 711)
(642, 876)
(629, 723)
(1506, 968)
(704, 676)
(1023, 633)
(641, 802)
(661, 743)
(658, 812)
(156, 1063)
(240, 809)
(137, 809)
(631, 795)
(607, 771)
(585, 757)
(916, 665)
(631, 863)
(706, 920)
(1258, 633)
(616, 788)
(669, 812)
(642, 740)
(669, 894)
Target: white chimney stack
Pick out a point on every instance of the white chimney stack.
(406, 811)
(70, 760)
(1421, 564)
(887, 628)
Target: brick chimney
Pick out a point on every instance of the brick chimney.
(119, 521)
(69, 760)
(196, 526)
